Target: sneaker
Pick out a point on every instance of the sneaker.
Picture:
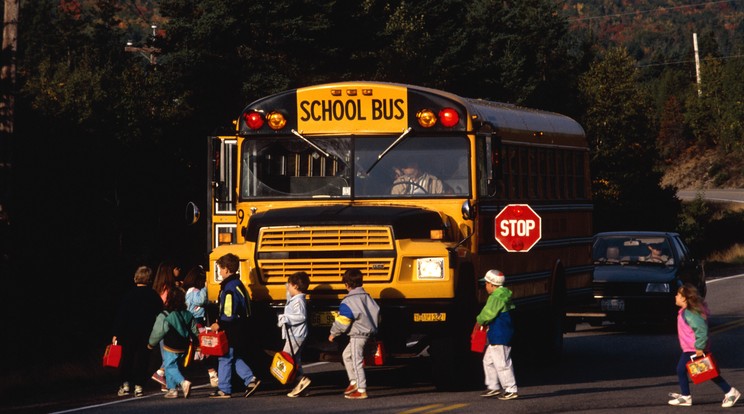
(171, 393)
(299, 388)
(508, 396)
(351, 388)
(731, 398)
(138, 392)
(681, 400)
(163, 388)
(214, 381)
(123, 390)
(219, 394)
(186, 387)
(159, 376)
(251, 387)
(491, 393)
(356, 395)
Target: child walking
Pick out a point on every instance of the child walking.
(137, 313)
(496, 315)
(165, 280)
(196, 294)
(196, 297)
(692, 330)
(294, 319)
(234, 310)
(174, 326)
(358, 317)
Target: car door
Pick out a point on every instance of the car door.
(689, 270)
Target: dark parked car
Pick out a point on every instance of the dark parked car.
(637, 274)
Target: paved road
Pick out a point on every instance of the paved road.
(604, 370)
(725, 195)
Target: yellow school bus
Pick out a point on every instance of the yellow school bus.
(406, 184)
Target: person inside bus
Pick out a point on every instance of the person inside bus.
(410, 179)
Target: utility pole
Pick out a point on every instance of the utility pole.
(150, 52)
(697, 63)
(7, 107)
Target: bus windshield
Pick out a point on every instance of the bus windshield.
(355, 167)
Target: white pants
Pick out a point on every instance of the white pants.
(353, 356)
(498, 369)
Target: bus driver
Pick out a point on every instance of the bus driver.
(410, 179)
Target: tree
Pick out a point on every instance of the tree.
(514, 51)
(715, 116)
(672, 139)
(620, 131)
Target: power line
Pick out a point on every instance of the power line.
(679, 62)
(685, 6)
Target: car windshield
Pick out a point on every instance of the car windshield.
(621, 250)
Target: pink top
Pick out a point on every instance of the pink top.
(685, 333)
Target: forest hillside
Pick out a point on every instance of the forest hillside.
(658, 35)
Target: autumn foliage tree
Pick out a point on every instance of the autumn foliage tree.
(620, 129)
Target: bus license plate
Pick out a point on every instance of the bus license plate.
(321, 318)
(613, 305)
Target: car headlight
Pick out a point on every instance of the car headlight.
(657, 288)
(430, 268)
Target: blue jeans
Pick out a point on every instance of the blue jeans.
(684, 382)
(173, 376)
(225, 369)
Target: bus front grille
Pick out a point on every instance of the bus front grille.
(326, 271)
(276, 239)
(325, 253)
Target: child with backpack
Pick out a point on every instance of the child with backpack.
(176, 327)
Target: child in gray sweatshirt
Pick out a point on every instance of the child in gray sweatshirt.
(358, 317)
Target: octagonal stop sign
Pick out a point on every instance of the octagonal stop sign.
(517, 227)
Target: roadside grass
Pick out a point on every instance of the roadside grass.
(734, 255)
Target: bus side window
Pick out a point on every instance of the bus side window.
(489, 164)
(496, 171)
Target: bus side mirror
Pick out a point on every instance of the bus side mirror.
(192, 213)
(468, 213)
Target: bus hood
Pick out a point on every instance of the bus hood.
(407, 222)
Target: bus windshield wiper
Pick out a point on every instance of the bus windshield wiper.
(310, 143)
(383, 153)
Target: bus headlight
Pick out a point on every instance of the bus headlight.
(430, 268)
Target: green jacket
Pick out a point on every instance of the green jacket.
(498, 302)
(180, 321)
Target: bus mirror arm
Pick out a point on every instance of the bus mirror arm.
(460, 243)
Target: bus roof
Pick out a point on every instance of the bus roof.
(507, 121)
(511, 122)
